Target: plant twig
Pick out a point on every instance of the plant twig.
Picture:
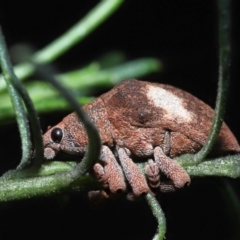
(228, 166)
(16, 189)
(94, 141)
(28, 185)
(223, 79)
(54, 176)
(17, 103)
(28, 103)
(83, 80)
(159, 215)
(79, 31)
(73, 36)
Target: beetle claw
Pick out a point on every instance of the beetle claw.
(167, 187)
(153, 176)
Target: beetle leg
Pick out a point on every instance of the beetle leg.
(110, 174)
(153, 176)
(134, 176)
(171, 169)
(99, 173)
(114, 172)
(167, 143)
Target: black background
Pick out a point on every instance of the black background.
(183, 34)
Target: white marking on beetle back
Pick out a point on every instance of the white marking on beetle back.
(172, 104)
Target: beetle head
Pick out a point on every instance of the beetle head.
(68, 136)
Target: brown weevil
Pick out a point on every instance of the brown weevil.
(140, 121)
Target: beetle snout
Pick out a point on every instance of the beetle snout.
(49, 153)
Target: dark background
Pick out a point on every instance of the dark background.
(183, 34)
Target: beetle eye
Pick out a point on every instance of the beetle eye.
(57, 135)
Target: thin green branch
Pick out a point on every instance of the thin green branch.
(228, 166)
(17, 103)
(48, 105)
(83, 81)
(17, 189)
(78, 32)
(223, 81)
(26, 184)
(73, 36)
(159, 215)
(35, 125)
(94, 141)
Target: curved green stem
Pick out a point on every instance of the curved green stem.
(17, 103)
(223, 80)
(73, 36)
(46, 98)
(228, 166)
(78, 32)
(15, 189)
(51, 175)
(94, 141)
(30, 107)
(159, 215)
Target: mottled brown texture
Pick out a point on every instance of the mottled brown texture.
(140, 120)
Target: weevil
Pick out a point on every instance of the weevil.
(140, 121)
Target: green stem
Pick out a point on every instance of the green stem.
(30, 107)
(73, 36)
(223, 80)
(83, 80)
(78, 32)
(228, 166)
(17, 103)
(159, 215)
(94, 141)
(40, 186)
(26, 184)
